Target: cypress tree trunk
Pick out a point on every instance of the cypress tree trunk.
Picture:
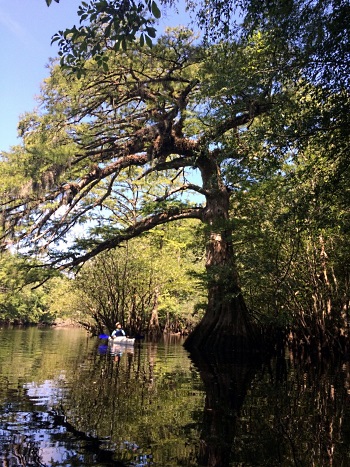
(154, 328)
(226, 323)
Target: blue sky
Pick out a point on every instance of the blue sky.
(26, 28)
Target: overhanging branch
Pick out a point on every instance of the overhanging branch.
(134, 231)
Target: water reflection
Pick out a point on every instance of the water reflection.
(281, 413)
(72, 402)
(66, 400)
(227, 379)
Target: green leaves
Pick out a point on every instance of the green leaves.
(18, 300)
(147, 37)
(155, 10)
(157, 268)
(105, 25)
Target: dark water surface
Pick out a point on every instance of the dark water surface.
(68, 400)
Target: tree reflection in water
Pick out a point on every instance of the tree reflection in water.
(64, 400)
(227, 379)
(281, 413)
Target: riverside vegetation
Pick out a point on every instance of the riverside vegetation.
(155, 174)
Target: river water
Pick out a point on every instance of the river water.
(67, 399)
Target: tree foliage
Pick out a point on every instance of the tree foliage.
(114, 147)
(150, 285)
(263, 120)
(20, 301)
(295, 270)
(131, 139)
(106, 25)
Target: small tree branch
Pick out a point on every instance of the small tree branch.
(188, 186)
(140, 227)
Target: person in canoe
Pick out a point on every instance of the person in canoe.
(118, 331)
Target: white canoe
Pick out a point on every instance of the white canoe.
(122, 340)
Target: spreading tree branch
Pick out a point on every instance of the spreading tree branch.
(129, 233)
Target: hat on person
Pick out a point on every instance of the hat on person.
(117, 324)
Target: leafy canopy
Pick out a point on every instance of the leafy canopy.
(114, 150)
(105, 25)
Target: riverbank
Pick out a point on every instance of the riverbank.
(59, 323)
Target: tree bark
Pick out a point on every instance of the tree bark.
(226, 323)
(154, 328)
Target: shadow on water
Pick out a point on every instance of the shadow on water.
(227, 378)
(280, 412)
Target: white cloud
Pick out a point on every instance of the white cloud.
(15, 29)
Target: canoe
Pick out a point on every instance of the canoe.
(121, 340)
